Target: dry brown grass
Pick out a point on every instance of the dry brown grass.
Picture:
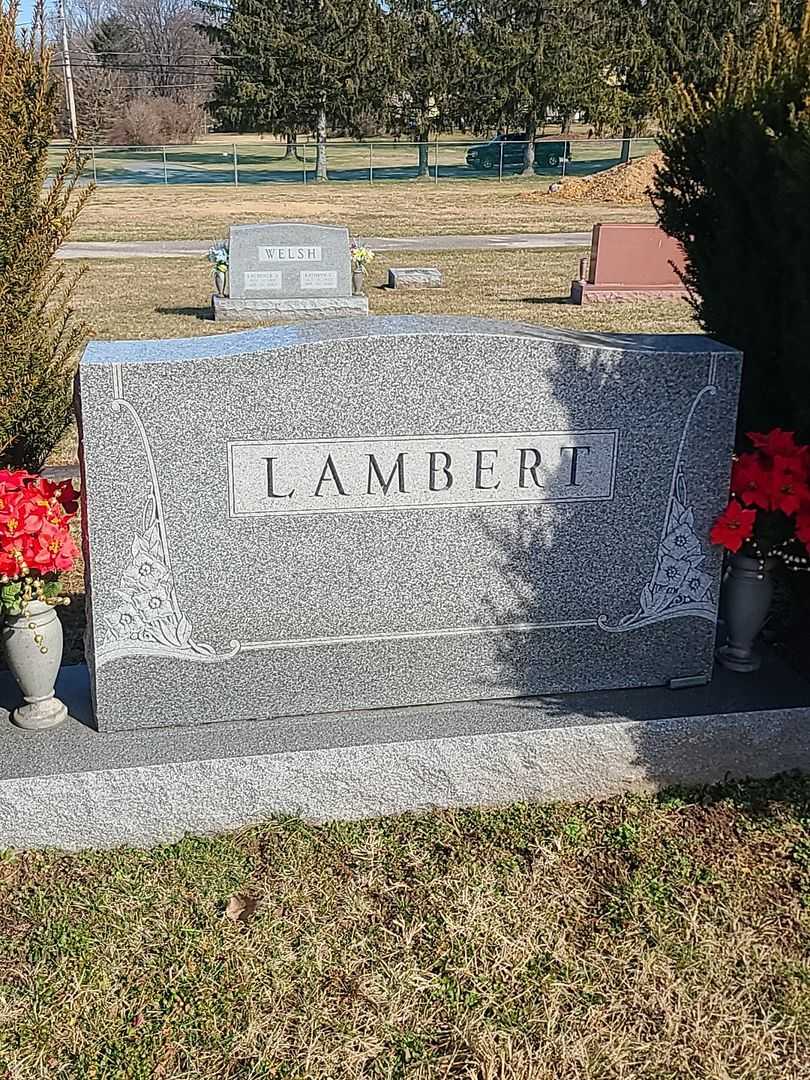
(137, 298)
(393, 209)
(639, 939)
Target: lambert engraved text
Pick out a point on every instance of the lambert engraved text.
(420, 472)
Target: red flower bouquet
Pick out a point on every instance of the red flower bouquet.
(35, 541)
(768, 515)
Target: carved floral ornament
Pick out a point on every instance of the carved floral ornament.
(148, 620)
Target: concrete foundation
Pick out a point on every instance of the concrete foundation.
(583, 292)
(267, 311)
(73, 787)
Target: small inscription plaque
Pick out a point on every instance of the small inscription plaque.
(304, 253)
(262, 279)
(420, 472)
(318, 279)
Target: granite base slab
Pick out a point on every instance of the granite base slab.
(74, 787)
(583, 292)
(267, 311)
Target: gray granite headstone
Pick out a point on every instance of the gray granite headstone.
(397, 511)
(288, 269)
(415, 277)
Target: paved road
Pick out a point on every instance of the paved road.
(164, 249)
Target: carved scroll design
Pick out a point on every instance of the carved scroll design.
(679, 585)
(148, 620)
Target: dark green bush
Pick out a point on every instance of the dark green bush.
(735, 190)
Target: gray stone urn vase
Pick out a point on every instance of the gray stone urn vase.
(32, 643)
(358, 282)
(220, 280)
(745, 600)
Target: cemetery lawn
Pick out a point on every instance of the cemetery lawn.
(142, 298)
(393, 209)
(644, 938)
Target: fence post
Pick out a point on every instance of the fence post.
(563, 160)
(165, 170)
(371, 163)
(93, 156)
(304, 161)
(500, 160)
(235, 166)
(436, 159)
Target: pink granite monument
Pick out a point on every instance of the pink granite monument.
(630, 262)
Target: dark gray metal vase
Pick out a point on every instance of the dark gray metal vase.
(744, 605)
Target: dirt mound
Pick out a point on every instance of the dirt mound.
(625, 185)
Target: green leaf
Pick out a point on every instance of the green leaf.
(51, 589)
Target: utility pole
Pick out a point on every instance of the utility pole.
(71, 101)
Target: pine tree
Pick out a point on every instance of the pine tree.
(734, 191)
(38, 328)
(426, 91)
(292, 66)
(534, 56)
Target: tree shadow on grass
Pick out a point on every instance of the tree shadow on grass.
(754, 799)
(204, 314)
(541, 300)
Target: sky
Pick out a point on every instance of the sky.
(26, 8)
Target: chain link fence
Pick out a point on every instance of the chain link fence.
(373, 162)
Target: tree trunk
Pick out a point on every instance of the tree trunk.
(423, 170)
(320, 149)
(624, 157)
(291, 141)
(528, 149)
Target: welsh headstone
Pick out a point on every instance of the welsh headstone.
(288, 270)
(396, 511)
(415, 277)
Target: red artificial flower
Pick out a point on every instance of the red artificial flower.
(734, 526)
(12, 480)
(34, 518)
(9, 566)
(751, 481)
(68, 496)
(789, 488)
(778, 442)
(51, 550)
(13, 516)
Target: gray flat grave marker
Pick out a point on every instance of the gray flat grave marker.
(415, 277)
(399, 511)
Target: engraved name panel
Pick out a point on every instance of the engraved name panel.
(318, 279)
(420, 472)
(262, 279)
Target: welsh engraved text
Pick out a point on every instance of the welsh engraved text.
(306, 253)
